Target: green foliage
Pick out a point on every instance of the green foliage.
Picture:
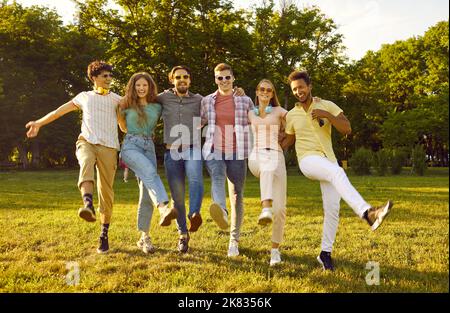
(398, 158)
(43, 66)
(419, 160)
(381, 161)
(361, 161)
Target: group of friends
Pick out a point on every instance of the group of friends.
(238, 133)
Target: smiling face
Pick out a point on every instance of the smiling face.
(141, 87)
(301, 90)
(224, 80)
(181, 80)
(264, 92)
(103, 79)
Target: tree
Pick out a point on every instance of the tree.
(40, 71)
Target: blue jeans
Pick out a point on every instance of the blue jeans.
(138, 153)
(180, 165)
(145, 208)
(235, 172)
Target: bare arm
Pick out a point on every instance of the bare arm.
(34, 126)
(121, 119)
(282, 133)
(340, 122)
(287, 141)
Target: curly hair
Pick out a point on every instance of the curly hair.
(96, 67)
(296, 75)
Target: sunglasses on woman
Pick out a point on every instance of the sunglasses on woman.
(262, 89)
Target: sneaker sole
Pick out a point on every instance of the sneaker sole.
(102, 252)
(382, 217)
(217, 215)
(86, 215)
(321, 263)
(168, 218)
(264, 221)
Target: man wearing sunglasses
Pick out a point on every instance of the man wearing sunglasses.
(225, 151)
(97, 145)
(182, 158)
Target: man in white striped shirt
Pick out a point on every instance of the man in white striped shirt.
(97, 144)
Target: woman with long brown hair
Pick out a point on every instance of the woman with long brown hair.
(142, 113)
(266, 161)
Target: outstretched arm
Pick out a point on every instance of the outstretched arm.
(34, 126)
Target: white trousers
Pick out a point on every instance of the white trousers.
(334, 185)
(269, 166)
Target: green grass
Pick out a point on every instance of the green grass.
(40, 233)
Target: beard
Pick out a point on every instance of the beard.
(182, 89)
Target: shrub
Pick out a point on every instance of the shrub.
(360, 161)
(419, 160)
(381, 162)
(398, 158)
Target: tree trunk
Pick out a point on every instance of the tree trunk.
(36, 155)
(23, 155)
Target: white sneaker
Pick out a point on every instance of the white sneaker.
(265, 217)
(146, 245)
(219, 215)
(275, 257)
(233, 250)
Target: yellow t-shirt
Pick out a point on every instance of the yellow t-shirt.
(310, 138)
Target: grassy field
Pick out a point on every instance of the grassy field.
(40, 233)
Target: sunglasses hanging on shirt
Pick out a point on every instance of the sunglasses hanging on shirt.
(268, 110)
(101, 91)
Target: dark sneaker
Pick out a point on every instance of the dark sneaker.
(167, 215)
(376, 215)
(183, 244)
(196, 221)
(325, 260)
(103, 245)
(219, 215)
(87, 213)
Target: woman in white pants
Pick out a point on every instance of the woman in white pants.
(266, 161)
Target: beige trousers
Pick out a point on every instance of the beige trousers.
(104, 159)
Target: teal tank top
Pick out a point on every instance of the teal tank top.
(152, 112)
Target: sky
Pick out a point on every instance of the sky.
(365, 24)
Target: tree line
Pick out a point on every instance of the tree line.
(395, 98)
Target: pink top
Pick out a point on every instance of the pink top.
(266, 130)
(225, 139)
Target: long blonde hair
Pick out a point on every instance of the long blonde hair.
(274, 101)
(131, 99)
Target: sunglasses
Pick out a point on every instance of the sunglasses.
(182, 76)
(107, 75)
(228, 77)
(262, 89)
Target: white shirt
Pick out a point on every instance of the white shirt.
(99, 124)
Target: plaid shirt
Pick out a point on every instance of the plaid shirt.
(242, 129)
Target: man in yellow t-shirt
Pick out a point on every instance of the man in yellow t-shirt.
(309, 125)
